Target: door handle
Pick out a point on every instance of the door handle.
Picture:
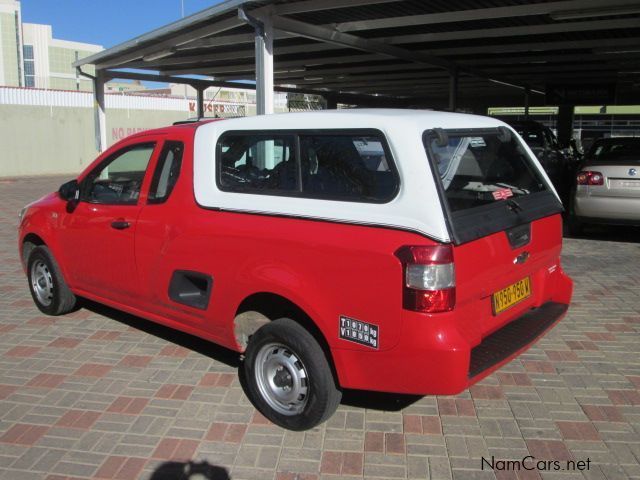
(120, 224)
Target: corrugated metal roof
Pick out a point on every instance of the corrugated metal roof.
(530, 43)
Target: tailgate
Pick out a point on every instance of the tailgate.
(520, 275)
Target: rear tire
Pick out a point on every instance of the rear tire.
(48, 289)
(288, 377)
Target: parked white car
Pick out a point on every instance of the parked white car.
(608, 184)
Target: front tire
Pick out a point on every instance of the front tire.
(48, 289)
(288, 377)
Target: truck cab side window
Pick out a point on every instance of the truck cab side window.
(118, 180)
(167, 172)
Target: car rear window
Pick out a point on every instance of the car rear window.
(486, 180)
(615, 149)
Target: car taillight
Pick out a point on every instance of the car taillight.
(429, 283)
(588, 177)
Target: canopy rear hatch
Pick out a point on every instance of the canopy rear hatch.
(502, 217)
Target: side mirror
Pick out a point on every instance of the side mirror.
(69, 191)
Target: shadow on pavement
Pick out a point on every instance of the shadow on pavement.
(204, 347)
(390, 402)
(607, 233)
(356, 398)
(189, 471)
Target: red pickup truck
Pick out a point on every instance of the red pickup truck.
(390, 250)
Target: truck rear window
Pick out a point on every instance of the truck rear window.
(486, 180)
(477, 169)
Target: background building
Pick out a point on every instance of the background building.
(47, 60)
(31, 57)
(11, 69)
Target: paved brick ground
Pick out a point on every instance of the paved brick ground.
(99, 394)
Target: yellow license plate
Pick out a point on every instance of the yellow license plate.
(508, 297)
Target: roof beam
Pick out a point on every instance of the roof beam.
(324, 34)
(316, 5)
(236, 54)
(378, 78)
(510, 11)
(373, 84)
(537, 46)
(171, 42)
(228, 40)
(581, 67)
(279, 65)
(525, 30)
(544, 59)
(371, 69)
(211, 83)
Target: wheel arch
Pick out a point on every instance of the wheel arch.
(261, 308)
(29, 242)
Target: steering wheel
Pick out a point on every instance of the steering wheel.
(104, 193)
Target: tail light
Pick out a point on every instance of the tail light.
(588, 177)
(429, 283)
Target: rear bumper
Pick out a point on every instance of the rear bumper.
(432, 356)
(603, 209)
(514, 337)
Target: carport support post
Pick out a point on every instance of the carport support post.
(200, 101)
(453, 90)
(100, 118)
(264, 68)
(565, 124)
(332, 102)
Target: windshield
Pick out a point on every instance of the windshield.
(483, 168)
(615, 149)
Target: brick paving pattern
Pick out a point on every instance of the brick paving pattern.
(100, 394)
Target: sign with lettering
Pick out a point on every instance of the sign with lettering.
(359, 332)
(582, 94)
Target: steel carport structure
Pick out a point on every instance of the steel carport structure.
(436, 53)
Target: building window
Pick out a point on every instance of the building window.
(29, 66)
(18, 29)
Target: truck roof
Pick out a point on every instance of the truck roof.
(346, 118)
(363, 118)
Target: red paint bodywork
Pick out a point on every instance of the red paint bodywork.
(327, 269)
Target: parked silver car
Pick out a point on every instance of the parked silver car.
(608, 184)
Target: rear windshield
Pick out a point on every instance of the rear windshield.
(487, 181)
(615, 149)
(479, 169)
